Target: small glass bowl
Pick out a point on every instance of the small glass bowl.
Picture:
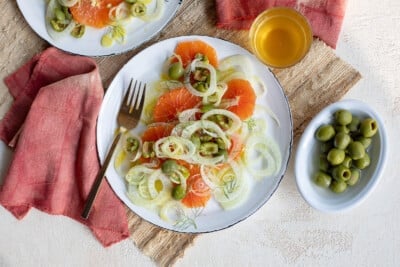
(280, 37)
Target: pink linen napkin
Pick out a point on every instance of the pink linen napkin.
(325, 16)
(52, 126)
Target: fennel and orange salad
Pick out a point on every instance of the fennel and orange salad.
(110, 17)
(202, 142)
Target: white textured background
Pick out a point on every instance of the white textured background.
(286, 231)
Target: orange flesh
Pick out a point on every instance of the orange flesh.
(241, 90)
(170, 104)
(93, 13)
(153, 133)
(198, 193)
(188, 50)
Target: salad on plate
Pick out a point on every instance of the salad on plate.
(72, 17)
(203, 143)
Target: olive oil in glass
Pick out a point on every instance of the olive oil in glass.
(280, 37)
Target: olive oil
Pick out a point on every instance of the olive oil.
(280, 37)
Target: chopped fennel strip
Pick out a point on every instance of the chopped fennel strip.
(153, 190)
(229, 185)
(236, 121)
(174, 147)
(213, 78)
(216, 98)
(188, 115)
(241, 67)
(119, 13)
(137, 174)
(240, 62)
(267, 110)
(171, 211)
(68, 3)
(262, 156)
(157, 14)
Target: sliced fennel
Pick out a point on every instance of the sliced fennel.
(229, 185)
(174, 147)
(262, 156)
(154, 189)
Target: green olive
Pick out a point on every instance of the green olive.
(356, 150)
(354, 124)
(323, 163)
(178, 192)
(342, 129)
(354, 177)
(176, 71)
(208, 148)
(78, 31)
(59, 14)
(322, 179)
(363, 162)
(343, 117)
(336, 156)
(347, 162)
(338, 186)
(342, 140)
(325, 133)
(169, 166)
(200, 86)
(365, 141)
(341, 173)
(57, 26)
(368, 127)
(326, 146)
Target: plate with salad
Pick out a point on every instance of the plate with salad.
(97, 27)
(214, 138)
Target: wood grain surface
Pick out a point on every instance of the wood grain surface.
(318, 80)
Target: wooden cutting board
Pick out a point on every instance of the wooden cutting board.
(319, 79)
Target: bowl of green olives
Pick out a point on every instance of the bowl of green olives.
(341, 156)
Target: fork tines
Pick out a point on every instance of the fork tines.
(135, 95)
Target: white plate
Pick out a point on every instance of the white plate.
(146, 66)
(138, 31)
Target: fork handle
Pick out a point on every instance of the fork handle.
(99, 178)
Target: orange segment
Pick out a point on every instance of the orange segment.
(157, 131)
(170, 104)
(93, 13)
(187, 50)
(242, 91)
(198, 193)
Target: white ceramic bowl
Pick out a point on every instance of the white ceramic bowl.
(306, 161)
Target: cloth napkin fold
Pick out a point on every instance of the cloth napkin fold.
(325, 16)
(52, 124)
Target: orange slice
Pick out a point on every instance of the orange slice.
(94, 13)
(157, 131)
(198, 193)
(188, 50)
(242, 91)
(170, 104)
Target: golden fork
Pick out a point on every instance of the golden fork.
(128, 118)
